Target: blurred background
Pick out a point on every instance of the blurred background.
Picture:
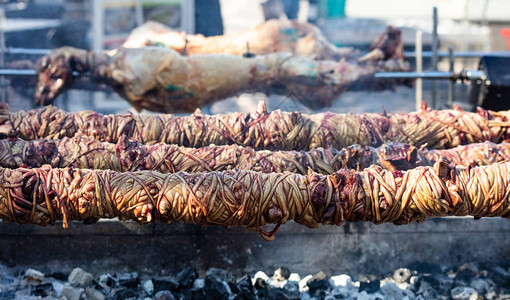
(479, 26)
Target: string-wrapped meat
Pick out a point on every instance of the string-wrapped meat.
(129, 155)
(262, 130)
(252, 199)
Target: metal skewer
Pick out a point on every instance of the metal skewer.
(30, 72)
(248, 54)
(464, 75)
(435, 57)
(17, 72)
(459, 54)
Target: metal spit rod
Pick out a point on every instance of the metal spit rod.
(458, 54)
(408, 54)
(3, 82)
(464, 75)
(17, 72)
(27, 51)
(29, 72)
(419, 68)
(435, 57)
(451, 61)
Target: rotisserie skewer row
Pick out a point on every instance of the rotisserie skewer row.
(129, 155)
(252, 199)
(276, 130)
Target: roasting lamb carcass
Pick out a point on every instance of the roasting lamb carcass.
(160, 79)
(272, 36)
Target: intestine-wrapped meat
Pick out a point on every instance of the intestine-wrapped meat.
(251, 199)
(264, 130)
(128, 155)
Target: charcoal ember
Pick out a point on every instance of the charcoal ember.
(9, 294)
(245, 296)
(58, 286)
(6, 280)
(198, 294)
(402, 275)
(59, 275)
(499, 276)
(363, 295)
(408, 293)
(199, 283)
(342, 280)
(320, 294)
(429, 293)
(291, 288)
(197, 291)
(281, 274)
(492, 294)
(260, 283)
(260, 280)
(463, 293)
(341, 292)
(72, 293)
(43, 290)
(244, 283)
(164, 295)
(32, 278)
(318, 282)
(80, 278)
(502, 294)
(425, 268)
(391, 291)
(369, 284)
(165, 284)
(126, 293)
(414, 283)
(465, 274)
(243, 286)
(480, 285)
(280, 294)
(130, 279)
(223, 275)
(8, 284)
(441, 283)
(303, 283)
(93, 294)
(446, 283)
(263, 292)
(215, 287)
(186, 277)
(148, 287)
(24, 294)
(106, 282)
(183, 295)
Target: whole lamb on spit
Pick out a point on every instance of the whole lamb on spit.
(161, 79)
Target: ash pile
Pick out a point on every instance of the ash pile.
(468, 281)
